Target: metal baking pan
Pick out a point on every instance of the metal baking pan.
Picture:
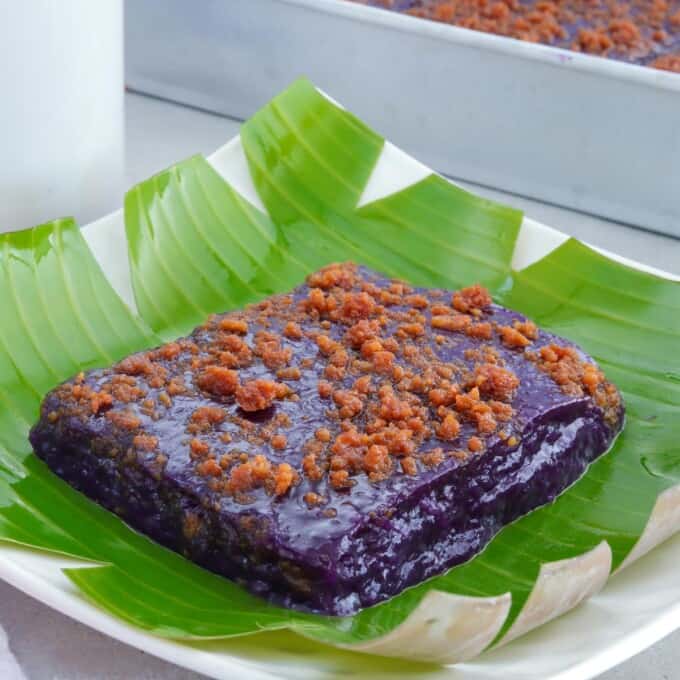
(584, 132)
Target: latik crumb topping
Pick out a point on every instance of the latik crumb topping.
(366, 354)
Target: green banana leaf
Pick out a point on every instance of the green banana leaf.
(196, 246)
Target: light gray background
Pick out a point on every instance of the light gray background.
(49, 645)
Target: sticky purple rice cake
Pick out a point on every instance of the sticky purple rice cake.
(330, 447)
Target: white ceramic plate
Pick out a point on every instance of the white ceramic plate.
(637, 607)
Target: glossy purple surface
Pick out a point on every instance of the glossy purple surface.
(384, 537)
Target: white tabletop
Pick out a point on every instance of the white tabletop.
(47, 644)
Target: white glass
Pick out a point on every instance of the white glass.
(61, 110)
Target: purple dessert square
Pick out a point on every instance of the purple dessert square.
(329, 447)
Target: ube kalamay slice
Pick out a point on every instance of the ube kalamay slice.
(330, 447)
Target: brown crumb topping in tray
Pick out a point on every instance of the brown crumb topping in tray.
(639, 31)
